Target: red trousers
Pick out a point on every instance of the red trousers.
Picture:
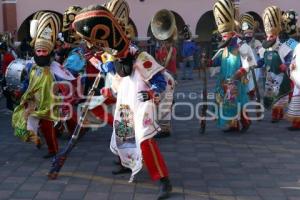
(244, 121)
(296, 124)
(47, 128)
(101, 114)
(252, 94)
(277, 113)
(153, 159)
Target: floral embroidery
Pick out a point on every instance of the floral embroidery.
(124, 127)
(147, 121)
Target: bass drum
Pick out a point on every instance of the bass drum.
(16, 74)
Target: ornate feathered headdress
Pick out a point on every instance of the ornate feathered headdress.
(272, 20)
(289, 22)
(247, 22)
(44, 30)
(224, 15)
(68, 33)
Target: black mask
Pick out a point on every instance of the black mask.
(247, 39)
(42, 61)
(224, 43)
(123, 69)
(268, 43)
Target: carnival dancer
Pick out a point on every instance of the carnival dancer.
(248, 26)
(278, 84)
(233, 59)
(134, 119)
(289, 19)
(71, 56)
(37, 107)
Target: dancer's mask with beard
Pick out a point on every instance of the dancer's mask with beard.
(42, 61)
(224, 43)
(268, 43)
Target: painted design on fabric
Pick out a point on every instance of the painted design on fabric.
(147, 121)
(124, 129)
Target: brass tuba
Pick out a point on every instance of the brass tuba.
(163, 25)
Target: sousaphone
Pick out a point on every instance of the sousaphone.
(163, 25)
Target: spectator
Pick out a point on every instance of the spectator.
(189, 48)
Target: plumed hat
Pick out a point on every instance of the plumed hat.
(44, 30)
(119, 9)
(68, 33)
(247, 22)
(224, 15)
(289, 22)
(272, 20)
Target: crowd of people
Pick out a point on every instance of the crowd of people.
(134, 93)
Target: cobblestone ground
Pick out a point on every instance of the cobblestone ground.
(261, 164)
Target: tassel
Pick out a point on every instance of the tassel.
(33, 28)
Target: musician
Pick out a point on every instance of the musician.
(6, 59)
(141, 80)
(278, 84)
(37, 108)
(289, 19)
(233, 59)
(166, 56)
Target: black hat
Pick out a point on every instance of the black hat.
(99, 27)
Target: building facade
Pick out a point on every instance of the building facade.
(15, 14)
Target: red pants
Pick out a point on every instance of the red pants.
(72, 122)
(252, 94)
(296, 124)
(47, 128)
(277, 113)
(244, 121)
(101, 114)
(153, 160)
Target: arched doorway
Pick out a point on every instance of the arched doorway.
(205, 27)
(135, 32)
(24, 29)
